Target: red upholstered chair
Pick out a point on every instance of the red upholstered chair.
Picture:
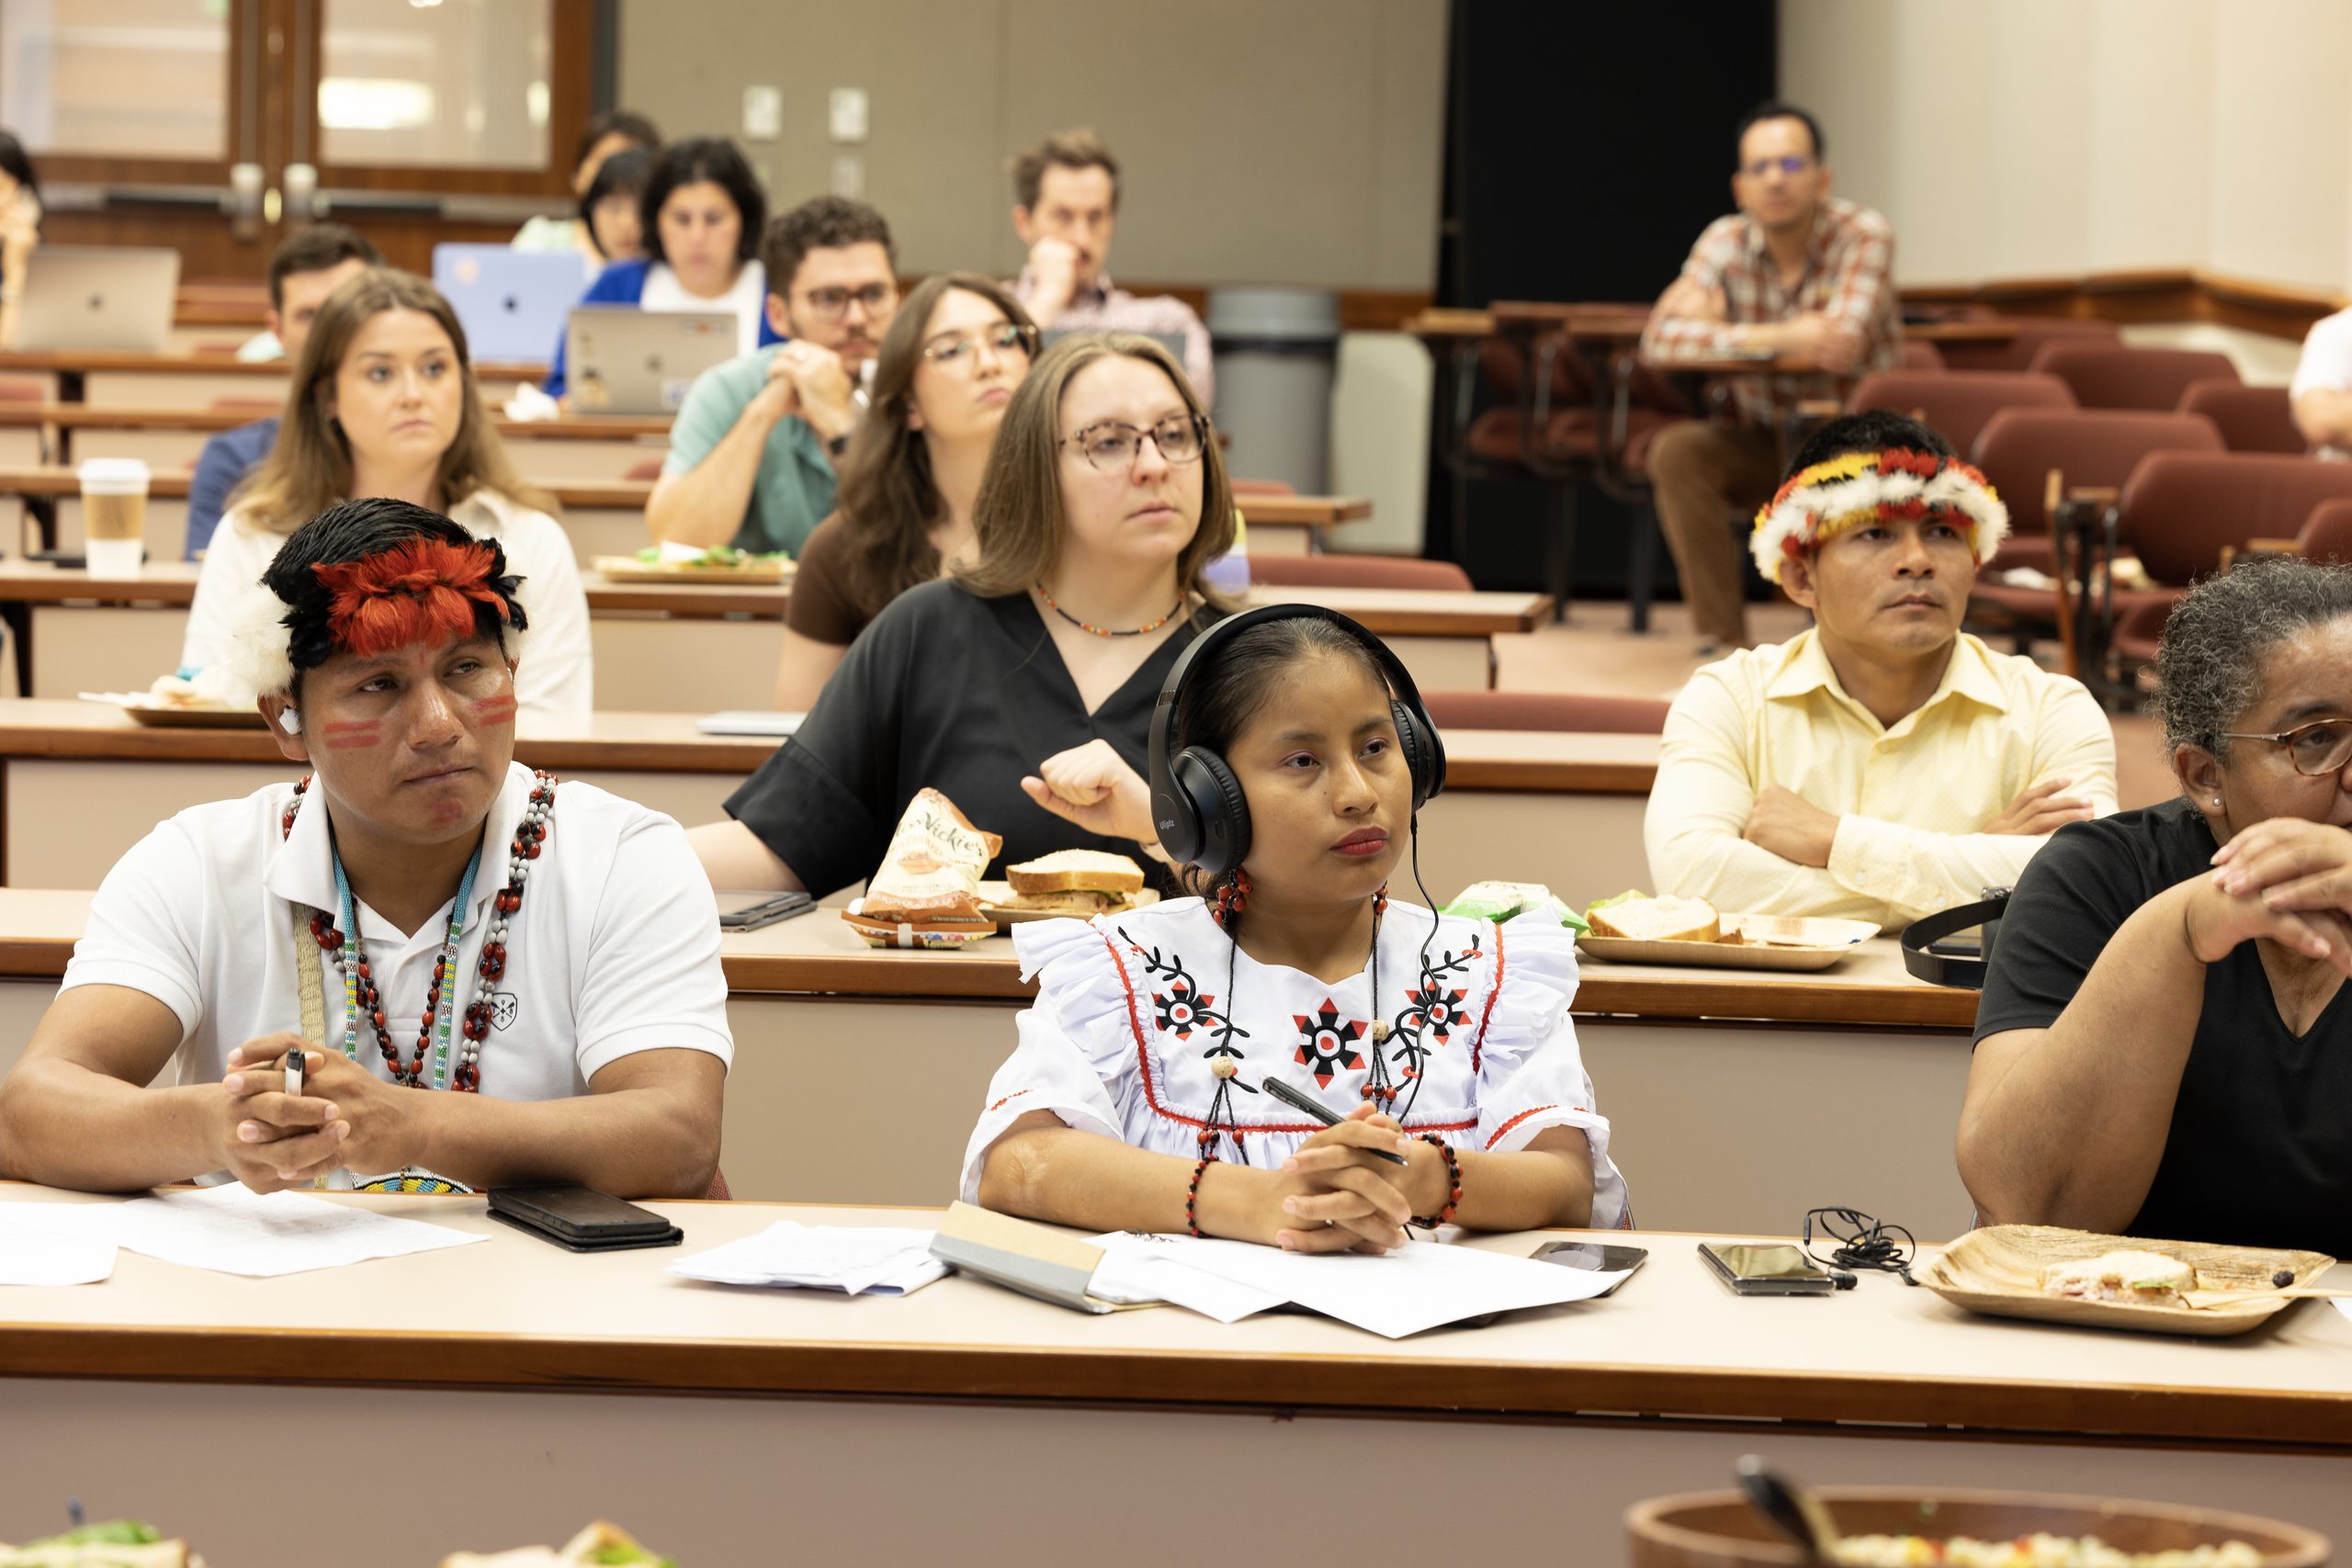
(1957, 403)
(717, 1192)
(2252, 419)
(2108, 375)
(2018, 352)
(1920, 355)
(2327, 535)
(1575, 712)
(1359, 572)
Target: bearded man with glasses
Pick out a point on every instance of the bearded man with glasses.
(754, 449)
(1795, 271)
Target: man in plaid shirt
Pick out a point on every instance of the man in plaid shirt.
(1799, 273)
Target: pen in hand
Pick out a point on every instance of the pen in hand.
(1298, 1102)
(295, 1061)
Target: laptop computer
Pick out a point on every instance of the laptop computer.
(619, 359)
(117, 297)
(511, 303)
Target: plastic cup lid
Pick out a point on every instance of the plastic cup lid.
(114, 470)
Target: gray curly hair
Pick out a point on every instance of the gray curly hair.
(2209, 665)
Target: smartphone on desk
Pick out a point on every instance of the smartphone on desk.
(741, 912)
(1595, 1256)
(581, 1219)
(1776, 1270)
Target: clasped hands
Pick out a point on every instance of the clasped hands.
(2286, 879)
(1796, 829)
(1833, 343)
(811, 382)
(269, 1139)
(1334, 1195)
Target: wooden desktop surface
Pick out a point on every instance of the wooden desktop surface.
(511, 1311)
(79, 360)
(56, 478)
(102, 416)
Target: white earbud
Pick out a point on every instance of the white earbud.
(291, 721)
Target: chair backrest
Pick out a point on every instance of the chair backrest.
(2181, 508)
(2017, 354)
(2091, 447)
(1920, 355)
(1359, 572)
(2108, 375)
(2252, 419)
(1957, 403)
(1499, 362)
(2327, 535)
(1580, 713)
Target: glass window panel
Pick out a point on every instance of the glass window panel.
(435, 83)
(125, 78)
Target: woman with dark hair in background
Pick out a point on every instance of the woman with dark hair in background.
(19, 229)
(903, 511)
(703, 213)
(608, 212)
(608, 136)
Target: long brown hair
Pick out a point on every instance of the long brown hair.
(308, 469)
(887, 499)
(1020, 516)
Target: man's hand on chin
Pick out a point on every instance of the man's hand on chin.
(1783, 822)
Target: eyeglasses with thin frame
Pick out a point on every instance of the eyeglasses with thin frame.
(1112, 445)
(961, 351)
(2316, 749)
(1792, 166)
(832, 304)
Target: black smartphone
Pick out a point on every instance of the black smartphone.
(1752, 1270)
(1599, 1257)
(741, 912)
(582, 1218)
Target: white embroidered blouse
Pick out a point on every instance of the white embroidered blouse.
(1132, 1011)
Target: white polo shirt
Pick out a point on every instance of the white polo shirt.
(614, 950)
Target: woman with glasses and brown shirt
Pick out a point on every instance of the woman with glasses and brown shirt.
(1022, 686)
(2164, 1047)
(947, 368)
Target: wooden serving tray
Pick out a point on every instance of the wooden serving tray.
(1774, 941)
(167, 716)
(1998, 1271)
(992, 892)
(628, 569)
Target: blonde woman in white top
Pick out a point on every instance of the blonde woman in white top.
(382, 403)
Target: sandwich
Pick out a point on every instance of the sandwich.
(1657, 919)
(117, 1543)
(2133, 1278)
(926, 893)
(599, 1543)
(1082, 883)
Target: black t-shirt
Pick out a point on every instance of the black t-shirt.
(2260, 1149)
(949, 692)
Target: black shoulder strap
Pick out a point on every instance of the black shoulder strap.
(1963, 973)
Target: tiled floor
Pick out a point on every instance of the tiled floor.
(1592, 651)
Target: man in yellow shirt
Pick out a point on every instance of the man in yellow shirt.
(1884, 764)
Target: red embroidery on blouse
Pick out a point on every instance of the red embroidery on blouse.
(1008, 1099)
(1522, 1116)
(1487, 1014)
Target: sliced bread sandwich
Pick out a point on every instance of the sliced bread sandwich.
(1657, 919)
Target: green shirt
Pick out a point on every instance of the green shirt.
(794, 488)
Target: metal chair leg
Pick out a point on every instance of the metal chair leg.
(1560, 549)
(1641, 565)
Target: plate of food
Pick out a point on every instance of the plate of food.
(2114, 1281)
(1077, 884)
(174, 703)
(665, 563)
(1631, 929)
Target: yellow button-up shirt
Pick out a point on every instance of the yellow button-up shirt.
(1911, 799)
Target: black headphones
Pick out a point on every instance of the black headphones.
(1197, 806)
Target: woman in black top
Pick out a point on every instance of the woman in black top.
(1022, 687)
(2164, 1047)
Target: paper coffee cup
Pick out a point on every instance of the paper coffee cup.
(114, 514)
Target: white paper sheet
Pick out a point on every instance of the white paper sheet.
(31, 1255)
(1137, 1268)
(234, 1230)
(857, 1261)
(1416, 1287)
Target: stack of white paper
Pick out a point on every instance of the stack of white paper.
(31, 1256)
(235, 1230)
(1137, 1269)
(856, 1260)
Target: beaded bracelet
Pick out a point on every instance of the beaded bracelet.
(1193, 1194)
(1452, 1182)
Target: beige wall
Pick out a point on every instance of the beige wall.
(1263, 141)
(2011, 138)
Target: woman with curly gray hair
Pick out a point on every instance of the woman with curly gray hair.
(2161, 1049)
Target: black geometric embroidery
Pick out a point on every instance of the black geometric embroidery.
(1183, 1006)
(1431, 1009)
(1325, 1044)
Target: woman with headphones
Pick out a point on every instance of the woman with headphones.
(1165, 1076)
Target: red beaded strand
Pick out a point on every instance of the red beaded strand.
(1193, 1194)
(1452, 1182)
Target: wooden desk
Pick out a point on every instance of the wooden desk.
(1293, 525)
(107, 376)
(1445, 639)
(1961, 331)
(748, 1413)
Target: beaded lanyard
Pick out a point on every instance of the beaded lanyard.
(361, 999)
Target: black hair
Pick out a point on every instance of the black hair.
(2209, 663)
(821, 222)
(624, 173)
(1873, 429)
(316, 247)
(618, 122)
(699, 158)
(1773, 109)
(355, 530)
(17, 163)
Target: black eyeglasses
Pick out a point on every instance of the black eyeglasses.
(832, 304)
(1112, 446)
(2316, 749)
(1793, 164)
(960, 351)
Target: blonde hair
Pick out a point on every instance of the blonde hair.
(309, 469)
(1020, 516)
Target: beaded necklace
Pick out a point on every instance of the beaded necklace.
(1105, 631)
(361, 999)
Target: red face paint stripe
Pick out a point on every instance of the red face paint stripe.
(494, 710)
(352, 737)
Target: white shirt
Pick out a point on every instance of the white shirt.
(2326, 362)
(1131, 1013)
(614, 950)
(748, 299)
(555, 673)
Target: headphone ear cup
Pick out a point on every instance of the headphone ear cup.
(1420, 754)
(1219, 809)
